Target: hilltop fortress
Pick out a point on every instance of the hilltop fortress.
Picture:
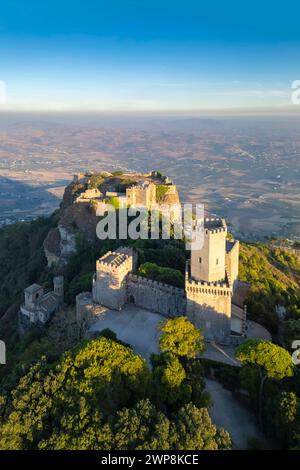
(211, 289)
(149, 190)
(89, 192)
(208, 297)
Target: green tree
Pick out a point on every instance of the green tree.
(169, 384)
(178, 381)
(162, 274)
(272, 362)
(161, 191)
(95, 181)
(282, 416)
(194, 430)
(180, 337)
(79, 283)
(144, 427)
(65, 406)
(114, 201)
(141, 427)
(97, 397)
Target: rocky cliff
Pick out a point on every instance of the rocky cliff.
(75, 220)
(79, 218)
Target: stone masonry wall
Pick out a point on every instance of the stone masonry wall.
(155, 296)
(86, 311)
(232, 262)
(209, 308)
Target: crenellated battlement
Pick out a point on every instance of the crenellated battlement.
(198, 287)
(155, 284)
(115, 261)
(214, 225)
(169, 301)
(211, 225)
(109, 282)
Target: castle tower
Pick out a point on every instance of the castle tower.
(208, 287)
(33, 294)
(109, 282)
(208, 263)
(58, 286)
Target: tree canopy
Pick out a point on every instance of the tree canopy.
(275, 361)
(162, 274)
(100, 396)
(180, 337)
(88, 385)
(271, 362)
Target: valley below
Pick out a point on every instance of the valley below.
(243, 169)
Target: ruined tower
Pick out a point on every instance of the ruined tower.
(142, 195)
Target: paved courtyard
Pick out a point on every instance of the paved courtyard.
(138, 327)
(133, 325)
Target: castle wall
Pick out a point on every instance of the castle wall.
(209, 308)
(86, 311)
(88, 195)
(232, 262)
(155, 296)
(139, 196)
(152, 195)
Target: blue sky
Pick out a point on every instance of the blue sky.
(157, 55)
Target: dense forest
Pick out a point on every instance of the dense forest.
(101, 395)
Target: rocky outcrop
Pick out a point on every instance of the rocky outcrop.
(76, 219)
(67, 243)
(79, 218)
(70, 194)
(52, 246)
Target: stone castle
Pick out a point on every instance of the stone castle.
(211, 279)
(207, 300)
(142, 192)
(82, 203)
(39, 305)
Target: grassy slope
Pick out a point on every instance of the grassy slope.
(274, 276)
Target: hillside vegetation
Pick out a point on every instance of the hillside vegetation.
(274, 276)
(103, 396)
(50, 379)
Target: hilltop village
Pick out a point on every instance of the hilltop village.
(212, 296)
